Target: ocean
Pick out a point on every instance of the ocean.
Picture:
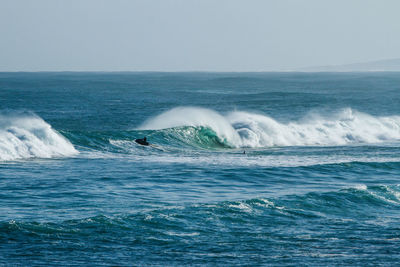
(247, 169)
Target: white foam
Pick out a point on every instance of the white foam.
(341, 128)
(244, 129)
(241, 206)
(25, 136)
(250, 160)
(361, 187)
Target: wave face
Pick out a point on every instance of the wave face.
(195, 117)
(25, 135)
(245, 129)
(191, 136)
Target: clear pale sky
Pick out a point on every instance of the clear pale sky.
(187, 35)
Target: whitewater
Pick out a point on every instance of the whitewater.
(25, 135)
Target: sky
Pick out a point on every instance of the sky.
(195, 35)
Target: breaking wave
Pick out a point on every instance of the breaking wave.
(245, 129)
(25, 135)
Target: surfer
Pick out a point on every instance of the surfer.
(142, 141)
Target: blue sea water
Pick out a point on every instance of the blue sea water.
(318, 183)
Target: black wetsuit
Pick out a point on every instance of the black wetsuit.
(142, 142)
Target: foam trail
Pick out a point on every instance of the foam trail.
(244, 129)
(25, 135)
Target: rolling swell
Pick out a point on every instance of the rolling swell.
(198, 128)
(313, 227)
(244, 129)
(24, 135)
(173, 138)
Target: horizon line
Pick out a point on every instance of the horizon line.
(192, 71)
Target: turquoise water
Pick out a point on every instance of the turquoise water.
(318, 183)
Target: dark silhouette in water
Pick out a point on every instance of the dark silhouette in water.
(142, 141)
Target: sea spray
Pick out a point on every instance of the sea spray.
(25, 135)
(340, 128)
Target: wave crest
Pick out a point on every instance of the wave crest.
(25, 135)
(194, 117)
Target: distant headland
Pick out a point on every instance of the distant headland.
(379, 65)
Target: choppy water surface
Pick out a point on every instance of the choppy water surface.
(244, 169)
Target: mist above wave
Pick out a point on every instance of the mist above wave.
(245, 129)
